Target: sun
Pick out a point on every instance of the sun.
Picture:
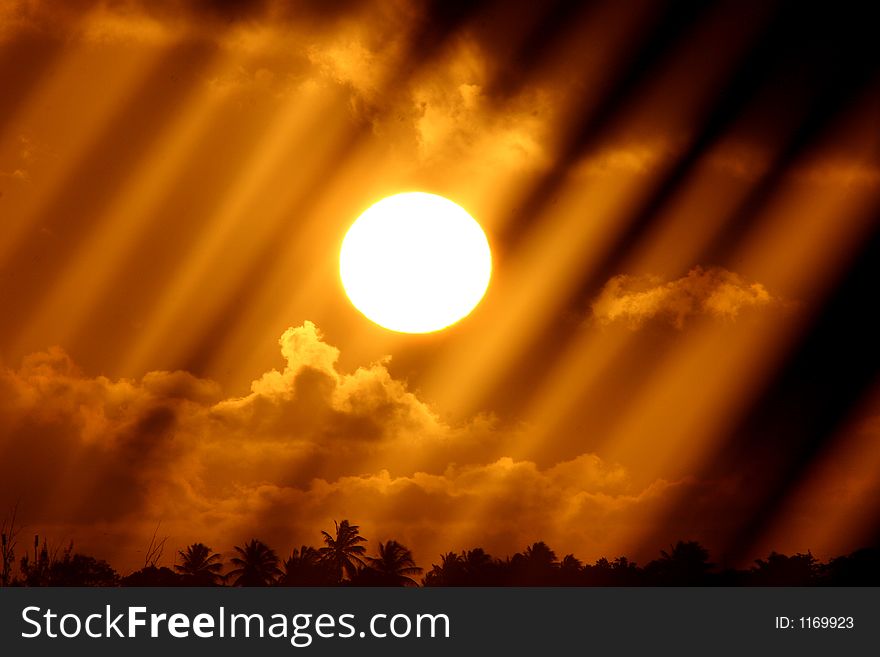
(415, 263)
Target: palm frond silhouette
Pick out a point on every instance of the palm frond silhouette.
(343, 551)
(305, 567)
(257, 565)
(395, 564)
(201, 564)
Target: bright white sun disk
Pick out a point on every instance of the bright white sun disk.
(415, 263)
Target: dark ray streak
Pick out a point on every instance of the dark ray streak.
(115, 154)
(24, 62)
(798, 411)
(749, 75)
(442, 22)
(764, 65)
(646, 59)
(769, 63)
(556, 19)
(237, 302)
(813, 395)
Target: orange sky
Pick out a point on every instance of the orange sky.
(674, 201)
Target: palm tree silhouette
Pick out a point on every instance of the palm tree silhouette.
(686, 564)
(477, 559)
(570, 569)
(539, 554)
(304, 567)
(395, 564)
(480, 568)
(257, 565)
(536, 566)
(781, 570)
(200, 564)
(342, 552)
(450, 571)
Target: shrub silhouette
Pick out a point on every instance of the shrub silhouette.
(71, 569)
(153, 576)
(780, 570)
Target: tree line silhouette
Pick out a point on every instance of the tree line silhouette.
(343, 561)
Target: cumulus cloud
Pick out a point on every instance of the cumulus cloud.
(444, 112)
(103, 461)
(581, 505)
(713, 292)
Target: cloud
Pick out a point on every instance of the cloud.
(628, 158)
(439, 113)
(103, 461)
(454, 117)
(840, 172)
(748, 161)
(714, 292)
(443, 113)
(582, 505)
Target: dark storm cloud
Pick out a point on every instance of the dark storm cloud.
(89, 455)
(83, 450)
